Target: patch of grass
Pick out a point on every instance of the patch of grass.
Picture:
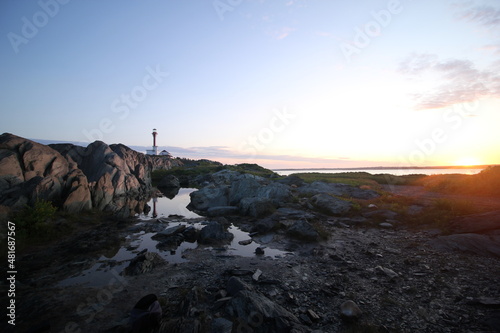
(205, 168)
(440, 213)
(33, 220)
(362, 179)
(485, 183)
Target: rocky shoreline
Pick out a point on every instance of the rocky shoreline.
(351, 261)
(113, 178)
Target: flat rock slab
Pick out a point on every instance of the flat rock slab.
(171, 231)
(473, 243)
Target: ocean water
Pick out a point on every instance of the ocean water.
(395, 172)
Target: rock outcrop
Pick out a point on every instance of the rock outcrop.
(72, 177)
(259, 197)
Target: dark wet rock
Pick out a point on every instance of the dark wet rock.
(245, 242)
(260, 251)
(170, 243)
(275, 192)
(190, 234)
(271, 316)
(146, 314)
(169, 192)
(328, 204)
(265, 225)
(222, 211)
(221, 325)
(303, 230)
(144, 262)
(350, 310)
(170, 231)
(292, 213)
(256, 207)
(243, 188)
(214, 233)
(169, 181)
(235, 285)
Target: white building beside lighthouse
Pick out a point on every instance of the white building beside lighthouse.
(153, 151)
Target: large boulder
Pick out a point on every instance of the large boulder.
(77, 197)
(214, 233)
(144, 262)
(256, 206)
(208, 196)
(328, 204)
(303, 230)
(73, 177)
(275, 192)
(30, 171)
(243, 188)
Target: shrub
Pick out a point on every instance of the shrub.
(33, 220)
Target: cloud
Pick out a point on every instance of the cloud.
(458, 81)
(486, 16)
(494, 48)
(283, 32)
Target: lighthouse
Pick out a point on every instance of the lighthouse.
(153, 151)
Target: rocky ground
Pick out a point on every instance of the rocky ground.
(395, 279)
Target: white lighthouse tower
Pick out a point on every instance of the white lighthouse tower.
(153, 151)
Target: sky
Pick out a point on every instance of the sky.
(285, 84)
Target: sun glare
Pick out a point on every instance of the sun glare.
(467, 161)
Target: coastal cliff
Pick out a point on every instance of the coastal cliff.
(74, 178)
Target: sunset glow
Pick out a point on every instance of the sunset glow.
(285, 83)
(468, 161)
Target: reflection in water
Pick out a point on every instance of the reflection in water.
(110, 265)
(165, 206)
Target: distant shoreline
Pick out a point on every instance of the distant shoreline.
(392, 168)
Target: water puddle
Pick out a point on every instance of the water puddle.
(107, 269)
(165, 206)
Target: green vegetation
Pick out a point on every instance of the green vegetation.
(360, 178)
(42, 223)
(187, 171)
(434, 214)
(485, 183)
(33, 221)
(205, 167)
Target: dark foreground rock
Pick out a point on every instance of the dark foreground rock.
(361, 279)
